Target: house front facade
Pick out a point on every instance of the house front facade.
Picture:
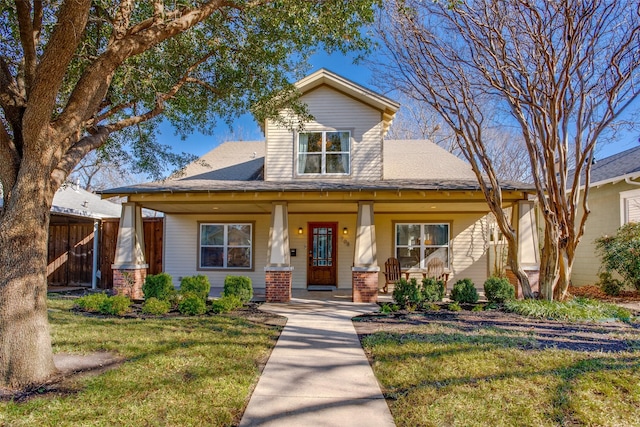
(324, 206)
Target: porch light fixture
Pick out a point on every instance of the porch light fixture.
(345, 231)
(300, 230)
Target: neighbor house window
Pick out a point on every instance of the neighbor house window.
(225, 246)
(416, 244)
(324, 153)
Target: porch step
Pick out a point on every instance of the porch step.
(321, 288)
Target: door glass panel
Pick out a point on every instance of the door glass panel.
(322, 247)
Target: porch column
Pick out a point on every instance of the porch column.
(524, 221)
(129, 266)
(278, 272)
(364, 273)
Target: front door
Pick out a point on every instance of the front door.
(321, 269)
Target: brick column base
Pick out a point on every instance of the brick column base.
(364, 283)
(129, 281)
(534, 280)
(278, 284)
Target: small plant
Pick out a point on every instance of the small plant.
(198, 285)
(621, 252)
(155, 306)
(454, 306)
(91, 303)
(239, 286)
(609, 285)
(479, 307)
(116, 305)
(407, 293)
(432, 306)
(387, 308)
(432, 289)
(192, 304)
(159, 286)
(498, 289)
(464, 291)
(226, 304)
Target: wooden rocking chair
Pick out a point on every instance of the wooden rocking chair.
(391, 273)
(435, 269)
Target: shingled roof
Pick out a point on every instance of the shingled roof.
(625, 164)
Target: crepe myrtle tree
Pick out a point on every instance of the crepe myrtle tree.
(81, 75)
(561, 72)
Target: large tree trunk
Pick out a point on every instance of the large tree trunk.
(26, 355)
(516, 269)
(549, 263)
(565, 260)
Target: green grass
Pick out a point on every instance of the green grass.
(187, 372)
(574, 310)
(439, 375)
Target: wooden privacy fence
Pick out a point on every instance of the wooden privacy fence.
(152, 247)
(70, 256)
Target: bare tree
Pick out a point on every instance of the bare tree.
(563, 70)
(505, 146)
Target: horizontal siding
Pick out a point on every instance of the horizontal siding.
(181, 248)
(468, 245)
(331, 110)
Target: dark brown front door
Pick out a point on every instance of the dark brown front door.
(321, 269)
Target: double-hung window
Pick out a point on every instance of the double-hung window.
(225, 246)
(324, 153)
(416, 244)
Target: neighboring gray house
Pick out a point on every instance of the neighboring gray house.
(323, 207)
(614, 200)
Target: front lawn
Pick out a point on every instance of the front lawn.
(500, 369)
(177, 371)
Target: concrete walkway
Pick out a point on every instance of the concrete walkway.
(318, 374)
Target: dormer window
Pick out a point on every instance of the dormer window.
(324, 153)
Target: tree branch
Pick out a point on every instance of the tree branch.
(67, 34)
(27, 40)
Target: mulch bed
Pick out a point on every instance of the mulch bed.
(593, 291)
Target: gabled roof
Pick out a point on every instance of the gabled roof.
(74, 201)
(236, 166)
(617, 167)
(324, 77)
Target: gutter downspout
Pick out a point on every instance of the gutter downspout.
(628, 181)
(94, 270)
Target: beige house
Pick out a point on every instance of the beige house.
(614, 200)
(322, 208)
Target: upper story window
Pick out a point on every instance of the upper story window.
(325, 153)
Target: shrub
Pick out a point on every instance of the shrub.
(226, 303)
(454, 306)
(464, 291)
(406, 293)
(192, 304)
(198, 285)
(577, 309)
(432, 289)
(91, 302)
(609, 285)
(155, 306)
(498, 289)
(239, 286)
(621, 253)
(159, 286)
(116, 305)
(387, 308)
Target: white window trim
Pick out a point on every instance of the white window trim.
(323, 153)
(225, 246)
(624, 198)
(422, 246)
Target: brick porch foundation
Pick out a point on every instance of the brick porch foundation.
(534, 279)
(129, 281)
(364, 283)
(278, 284)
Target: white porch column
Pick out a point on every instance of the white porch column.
(523, 219)
(364, 273)
(129, 266)
(278, 271)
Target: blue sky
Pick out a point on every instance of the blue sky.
(199, 144)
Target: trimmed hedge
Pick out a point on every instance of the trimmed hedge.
(198, 285)
(464, 291)
(159, 286)
(498, 289)
(238, 286)
(192, 304)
